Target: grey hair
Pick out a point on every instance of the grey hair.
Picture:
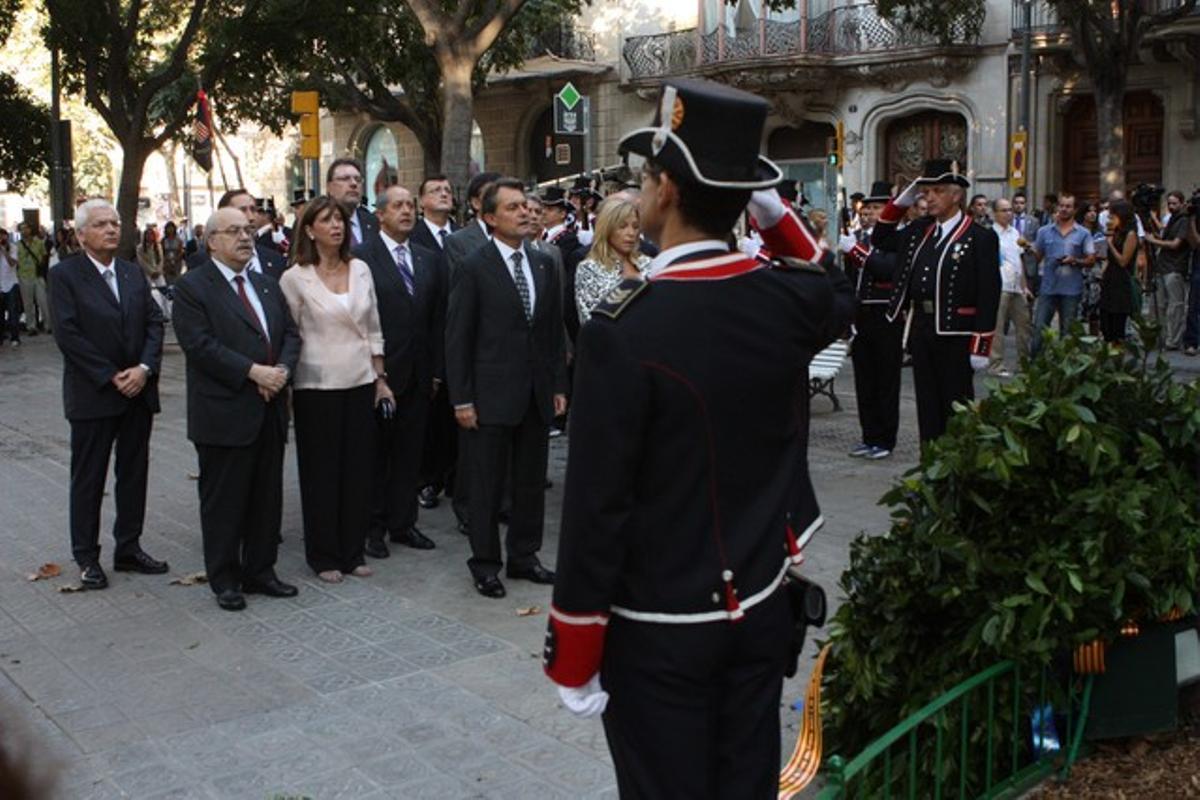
(83, 212)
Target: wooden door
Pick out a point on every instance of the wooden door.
(914, 139)
(1143, 144)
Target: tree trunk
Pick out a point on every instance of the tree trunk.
(457, 120)
(1110, 134)
(133, 162)
(170, 153)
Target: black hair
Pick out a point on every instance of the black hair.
(488, 204)
(480, 180)
(344, 161)
(427, 180)
(713, 211)
(227, 198)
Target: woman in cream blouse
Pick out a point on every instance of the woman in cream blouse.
(614, 255)
(339, 382)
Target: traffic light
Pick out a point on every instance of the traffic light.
(307, 105)
(835, 147)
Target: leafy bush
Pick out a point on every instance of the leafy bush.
(1053, 510)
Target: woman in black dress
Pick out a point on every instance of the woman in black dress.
(1116, 284)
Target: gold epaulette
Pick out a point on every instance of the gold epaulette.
(621, 298)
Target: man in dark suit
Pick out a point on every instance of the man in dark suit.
(241, 346)
(410, 291)
(437, 201)
(344, 183)
(506, 363)
(110, 332)
(266, 260)
(459, 246)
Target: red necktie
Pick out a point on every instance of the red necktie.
(240, 280)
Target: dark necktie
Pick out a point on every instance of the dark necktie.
(442, 238)
(405, 270)
(522, 285)
(240, 280)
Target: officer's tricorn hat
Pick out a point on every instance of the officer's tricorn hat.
(554, 196)
(707, 132)
(943, 170)
(881, 192)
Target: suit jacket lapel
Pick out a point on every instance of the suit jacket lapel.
(266, 298)
(503, 274)
(539, 281)
(92, 275)
(229, 296)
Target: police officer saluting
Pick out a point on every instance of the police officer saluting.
(687, 491)
(878, 348)
(949, 282)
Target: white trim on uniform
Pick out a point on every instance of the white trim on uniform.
(707, 616)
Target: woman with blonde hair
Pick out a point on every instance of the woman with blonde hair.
(614, 255)
(339, 384)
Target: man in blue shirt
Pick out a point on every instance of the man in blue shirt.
(1064, 248)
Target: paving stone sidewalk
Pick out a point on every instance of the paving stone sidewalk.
(403, 685)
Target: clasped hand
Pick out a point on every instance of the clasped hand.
(269, 380)
(130, 381)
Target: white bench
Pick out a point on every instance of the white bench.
(824, 369)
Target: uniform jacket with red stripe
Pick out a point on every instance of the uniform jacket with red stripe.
(967, 293)
(872, 270)
(687, 488)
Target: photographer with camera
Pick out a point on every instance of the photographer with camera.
(1171, 270)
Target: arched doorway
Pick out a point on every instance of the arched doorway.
(552, 156)
(912, 140)
(801, 152)
(1143, 144)
(381, 161)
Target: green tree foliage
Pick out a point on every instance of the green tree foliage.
(24, 122)
(1053, 510)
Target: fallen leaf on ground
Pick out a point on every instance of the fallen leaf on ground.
(47, 570)
(528, 611)
(193, 579)
(70, 588)
(192, 646)
(193, 476)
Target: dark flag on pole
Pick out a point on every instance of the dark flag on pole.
(202, 144)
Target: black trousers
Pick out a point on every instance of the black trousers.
(693, 710)
(440, 452)
(241, 502)
(942, 375)
(91, 445)
(877, 354)
(400, 444)
(335, 453)
(497, 450)
(1112, 326)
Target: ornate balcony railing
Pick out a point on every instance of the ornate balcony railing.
(1043, 19)
(842, 31)
(564, 42)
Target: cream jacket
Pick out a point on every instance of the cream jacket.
(338, 342)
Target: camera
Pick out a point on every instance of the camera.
(1147, 197)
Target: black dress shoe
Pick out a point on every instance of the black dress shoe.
(92, 577)
(375, 548)
(140, 562)
(231, 600)
(413, 538)
(273, 587)
(490, 587)
(427, 497)
(536, 573)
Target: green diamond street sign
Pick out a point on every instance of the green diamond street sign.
(569, 96)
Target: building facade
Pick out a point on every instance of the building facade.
(899, 96)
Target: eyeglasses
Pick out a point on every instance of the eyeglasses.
(240, 230)
(347, 178)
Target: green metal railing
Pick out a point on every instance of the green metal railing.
(994, 759)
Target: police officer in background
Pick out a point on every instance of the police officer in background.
(948, 281)
(878, 349)
(687, 492)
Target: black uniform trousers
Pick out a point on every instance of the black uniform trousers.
(335, 453)
(877, 354)
(400, 444)
(693, 710)
(241, 502)
(942, 374)
(91, 446)
(498, 452)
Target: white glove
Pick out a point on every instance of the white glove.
(847, 242)
(909, 196)
(586, 701)
(767, 208)
(979, 363)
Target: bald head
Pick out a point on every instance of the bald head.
(230, 238)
